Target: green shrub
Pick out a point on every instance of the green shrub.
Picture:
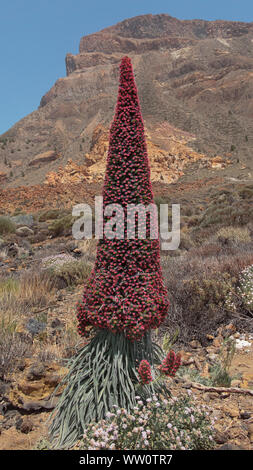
(175, 424)
(246, 193)
(42, 444)
(6, 225)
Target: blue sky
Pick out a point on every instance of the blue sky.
(35, 36)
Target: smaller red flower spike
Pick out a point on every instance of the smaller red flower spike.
(170, 364)
(144, 372)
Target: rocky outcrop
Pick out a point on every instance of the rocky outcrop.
(33, 387)
(166, 165)
(162, 25)
(71, 173)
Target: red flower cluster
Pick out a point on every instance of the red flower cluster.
(170, 364)
(125, 292)
(144, 372)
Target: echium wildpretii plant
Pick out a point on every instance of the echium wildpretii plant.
(125, 296)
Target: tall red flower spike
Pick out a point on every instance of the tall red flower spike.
(125, 292)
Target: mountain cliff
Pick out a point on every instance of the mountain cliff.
(195, 82)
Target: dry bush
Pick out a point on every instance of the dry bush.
(203, 235)
(6, 225)
(235, 262)
(57, 350)
(54, 249)
(18, 299)
(50, 214)
(193, 221)
(13, 344)
(3, 253)
(62, 226)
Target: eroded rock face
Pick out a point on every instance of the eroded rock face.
(193, 77)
